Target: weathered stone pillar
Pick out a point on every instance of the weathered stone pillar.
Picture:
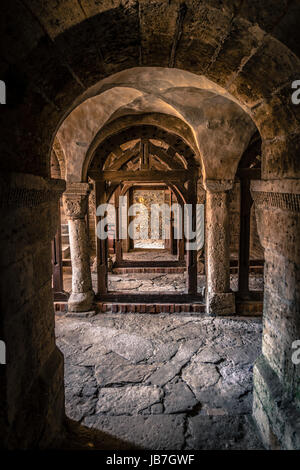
(75, 200)
(276, 402)
(31, 383)
(219, 299)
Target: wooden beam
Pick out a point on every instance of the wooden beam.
(125, 157)
(244, 248)
(191, 258)
(144, 155)
(101, 245)
(164, 157)
(140, 176)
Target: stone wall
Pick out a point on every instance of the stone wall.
(276, 377)
(32, 390)
(147, 197)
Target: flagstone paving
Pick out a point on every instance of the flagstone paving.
(162, 381)
(158, 282)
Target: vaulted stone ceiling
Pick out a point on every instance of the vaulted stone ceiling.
(220, 129)
(55, 55)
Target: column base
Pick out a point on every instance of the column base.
(89, 314)
(218, 303)
(277, 419)
(81, 301)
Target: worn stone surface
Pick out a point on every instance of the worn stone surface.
(179, 398)
(115, 370)
(132, 347)
(127, 400)
(155, 432)
(81, 391)
(221, 433)
(160, 282)
(136, 377)
(200, 376)
(250, 49)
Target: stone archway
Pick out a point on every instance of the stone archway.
(251, 55)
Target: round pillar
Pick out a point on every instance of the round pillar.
(219, 298)
(276, 374)
(75, 200)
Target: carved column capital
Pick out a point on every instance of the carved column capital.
(75, 200)
(218, 186)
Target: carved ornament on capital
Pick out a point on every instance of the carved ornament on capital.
(75, 200)
(218, 186)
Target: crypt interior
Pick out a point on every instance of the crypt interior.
(142, 343)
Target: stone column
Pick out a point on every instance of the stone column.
(219, 298)
(31, 384)
(75, 200)
(276, 399)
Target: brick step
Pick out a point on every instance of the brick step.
(139, 308)
(167, 270)
(245, 308)
(249, 308)
(150, 308)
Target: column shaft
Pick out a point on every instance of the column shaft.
(75, 205)
(220, 300)
(276, 399)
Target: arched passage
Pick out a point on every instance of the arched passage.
(150, 157)
(253, 54)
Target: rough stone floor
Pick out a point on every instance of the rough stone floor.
(150, 255)
(161, 382)
(146, 244)
(158, 282)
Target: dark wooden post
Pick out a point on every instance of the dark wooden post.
(117, 231)
(181, 241)
(144, 155)
(167, 200)
(101, 245)
(173, 241)
(130, 217)
(57, 271)
(192, 254)
(245, 213)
